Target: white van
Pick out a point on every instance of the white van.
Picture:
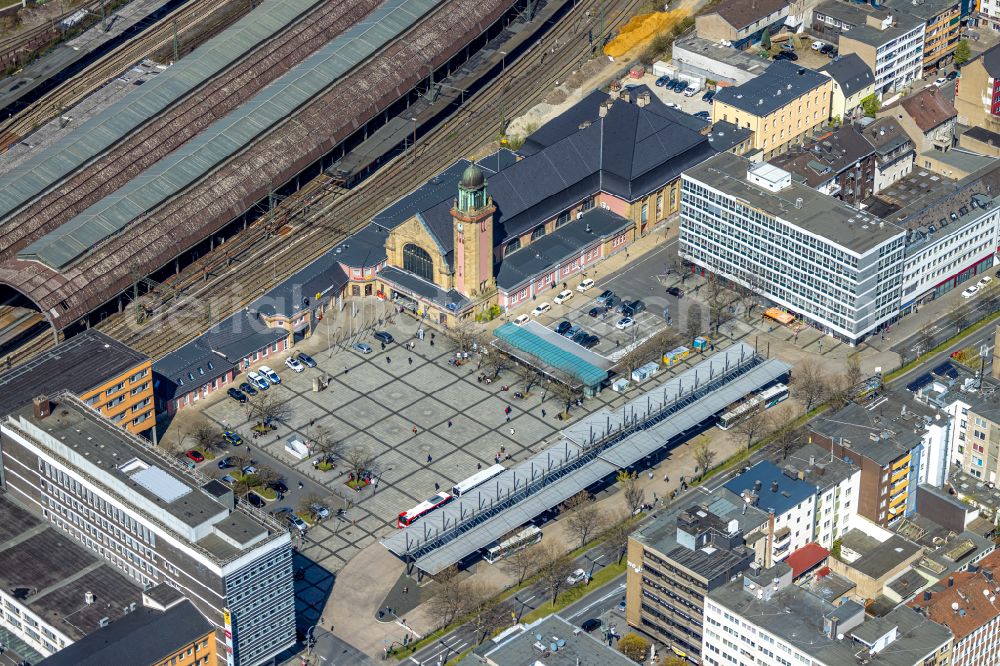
(585, 285)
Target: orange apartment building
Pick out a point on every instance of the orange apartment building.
(111, 377)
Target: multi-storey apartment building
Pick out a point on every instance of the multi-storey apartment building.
(897, 447)
(840, 163)
(780, 106)
(942, 27)
(894, 151)
(109, 376)
(836, 267)
(838, 484)
(684, 554)
(977, 98)
(761, 618)
(975, 442)
(155, 520)
(890, 43)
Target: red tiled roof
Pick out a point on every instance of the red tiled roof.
(967, 591)
(805, 558)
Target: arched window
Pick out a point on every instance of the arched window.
(512, 246)
(538, 232)
(417, 261)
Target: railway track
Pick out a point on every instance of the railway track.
(97, 74)
(31, 39)
(334, 216)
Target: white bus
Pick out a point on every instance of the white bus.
(764, 400)
(530, 535)
(477, 479)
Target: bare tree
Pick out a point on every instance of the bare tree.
(467, 335)
(704, 456)
(635, 497)
(266, 476)
(631, 360)
(522, 563)
(449, 601)
(785, 436)
(616, 536)
(528, 376)
(666, 340)
(718, 299)
(359, 460)
(811, 384)
(206, 435)
(265, 407)
(495, 362)
(693, 325)
(852, 369)
(582, 517)
(752, 426)
(958, 316)
(564, 390)
(923, 343)
(555, 571)
(481, 603)
(325, 444)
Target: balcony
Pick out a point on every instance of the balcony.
(899, 475)
(902, 461)
(897, 499)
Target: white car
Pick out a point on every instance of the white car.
(816, 46)
(985, 281)
(258, 381)
(271, 375)
(673, 106)
(577, 576)
(970, 292)
(521, 320)
(540, 309)
(625, 322)
(294, 364)
(940, 82)
(563, 296)
(585, 285)
(690, 92)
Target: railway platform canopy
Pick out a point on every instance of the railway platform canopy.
(587, 453)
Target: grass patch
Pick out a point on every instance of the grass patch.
(306, 517)
(964, 333)
(356, 484)
(575, 593)
(324, 466)
(266, 493)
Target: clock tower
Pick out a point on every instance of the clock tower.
(473, 234)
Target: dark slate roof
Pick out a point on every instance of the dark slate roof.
(790, 491)
(563, 243)
(299, 291)
(822, 160)
(741, 14)
(211, 355)
(79, 364)
(886, 135)
(364, 249)
(144, 636)
(991, 61)
(429, 291)
(850, 72)
(988, 137)
(780, 84)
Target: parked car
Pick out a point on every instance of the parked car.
(584, 285)
(612, 302)
(817, 45)
(605, 295)
(257, 380)
(306, 359)
(362, 348)
(676, 292)
(625, 322)
(522, 320)
(283, 510)
(970, 292)
(952, 75)
(827, 49)
(577, 576)
(279, 486)
(787, 46)
(591, 341)
(226, 462)
(597, 311)
(271, 375)
(633, 308)
(248, 388)
(237, 395)
(319, 510)
(671, 105)
(232, 438)
(707, 97)
(573, 332)
(540, 309)
(621, 606)
(680, 85)
(591, 625)
(228, 479)
(785, 55)
(662, 81)
(690, 91)
(984, 281)
(248, 470)
(256, 500)
(383, 336)
(704, 115)
(563, 327)
(195, 456)
(940, 81)
(563, 296)
(296, 523)
(580, 337)
(294, 365)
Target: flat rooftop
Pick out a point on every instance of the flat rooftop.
(551, 641)
(51, 574)
(79, 364)
(819, 467)
(797, 204)
(742, 60)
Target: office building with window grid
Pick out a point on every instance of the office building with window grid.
(837, 268)
(155, 520)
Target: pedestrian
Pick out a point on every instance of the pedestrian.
(429, 458)
(479, 465)
(507, 410)
(666, 478)
(543, 412)
(508, 418)
(405, 589)
(414, 430)
(410, 359)
(449, 423)
(437, 486)
(650, 475)
(300, 485)
(383, 346)
(432, 342)
(511, 432)
(388, 359)
(503, 449)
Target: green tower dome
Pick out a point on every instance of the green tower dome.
(472, 178)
